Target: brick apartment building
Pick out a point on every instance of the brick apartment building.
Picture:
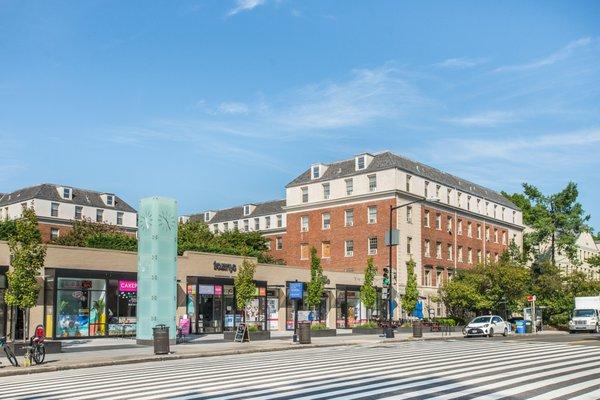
(343, 209)
(57, 206)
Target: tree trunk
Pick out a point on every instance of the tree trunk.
(13, 323)
(25, 324)
(552, 249)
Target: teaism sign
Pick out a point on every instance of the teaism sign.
(231, 268)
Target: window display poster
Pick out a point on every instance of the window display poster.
(229, 320)
(218, 290)
(252, 311)
(273, 313)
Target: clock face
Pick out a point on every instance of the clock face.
(145, 221)
(167, 221)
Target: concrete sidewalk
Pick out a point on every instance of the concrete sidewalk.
(100, 352)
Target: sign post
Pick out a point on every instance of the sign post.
(295, 292)
(532, 298)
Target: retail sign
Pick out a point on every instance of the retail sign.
(231, 268)
(295, 290)
(127, 286)
(206, 289)
(531, 298)
(218, 290)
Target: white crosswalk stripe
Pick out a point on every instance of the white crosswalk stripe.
(415, 370)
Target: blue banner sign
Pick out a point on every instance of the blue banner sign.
(295, 290)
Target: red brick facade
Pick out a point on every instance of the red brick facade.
(453, 231)
(336, 236)
(46, 230)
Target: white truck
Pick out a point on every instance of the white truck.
(586, 315)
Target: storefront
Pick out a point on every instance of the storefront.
(83, 303)
(211, 305)
(304, 312)
(350, 311)
(3, 308)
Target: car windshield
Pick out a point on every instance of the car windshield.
(481, 320)
(584, 313)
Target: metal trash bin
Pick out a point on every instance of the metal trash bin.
(304, 332)
(160, 334)
(417, 329)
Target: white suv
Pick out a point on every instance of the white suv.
(486, 325)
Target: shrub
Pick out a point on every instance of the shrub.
(368, 325)
(318, 326)
(253, 328)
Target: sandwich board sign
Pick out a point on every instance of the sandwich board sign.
(242, 335)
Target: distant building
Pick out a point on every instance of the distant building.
(57, 206)
(586, 248)
(343, 210)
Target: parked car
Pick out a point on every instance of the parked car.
(486, 325)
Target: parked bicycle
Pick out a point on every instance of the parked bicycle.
(36, 352)
(8, 351)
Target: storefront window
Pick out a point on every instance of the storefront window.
(273, 309)
(304, 312)
(121, 307)
(211, 306)
(349, 309)
(81, 307)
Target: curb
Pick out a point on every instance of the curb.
(12, 371)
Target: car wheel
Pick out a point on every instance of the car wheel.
(597, 330)
(491, 334)
(505, 332)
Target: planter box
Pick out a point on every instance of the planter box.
(366, 331)
(259, 335)
(323, 333)
(51, 347)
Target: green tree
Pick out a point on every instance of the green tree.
(245, 289)
(27, 260)
(8, 228)
(368, 293)
(86, 233)
(410, 298)
(493, 287)
(316, 286)
(557, 221)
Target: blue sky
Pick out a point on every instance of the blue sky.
(218, 103)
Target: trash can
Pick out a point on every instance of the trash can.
(520, 327)
(417, 329)
(528, 327)
(160, 335)
(304, 332)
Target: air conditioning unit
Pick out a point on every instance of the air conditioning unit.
(304, 229)
(350, 254)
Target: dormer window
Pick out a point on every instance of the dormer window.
(67, 193)
(316, 172)
(206, 216)
(360, 162)
(247, 210)
(108, 199)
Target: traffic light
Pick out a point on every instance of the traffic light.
(386, 277)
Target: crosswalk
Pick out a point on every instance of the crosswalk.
(415, 370)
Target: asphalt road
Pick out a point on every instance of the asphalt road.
(514, 368)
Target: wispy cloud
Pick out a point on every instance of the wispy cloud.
(244, 5)
(461, 63)
(554, 148)
(485, 119)
(560, 55)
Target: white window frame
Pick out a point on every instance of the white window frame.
(349, 244)
(369, 219)
(372, 251)
(326, 191)
(304, 223)
(372, 182)
(349, 186)
(325, 218)
(304, 191)
(349, 221)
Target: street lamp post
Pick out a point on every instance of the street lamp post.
(389, 333)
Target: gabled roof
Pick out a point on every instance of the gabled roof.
(48, 191)
(236, 213)
(388, 160)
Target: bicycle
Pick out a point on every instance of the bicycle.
(8, 351)
(36, 351)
